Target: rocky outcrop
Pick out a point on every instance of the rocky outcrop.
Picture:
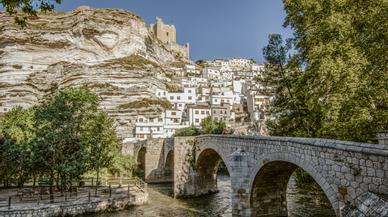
(112, 51)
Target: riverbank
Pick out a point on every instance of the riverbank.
(79, 207)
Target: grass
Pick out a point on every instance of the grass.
(178, 64)
(133, 61)
(102, 86)
(17, 66)
(146, 102)
(172, 87)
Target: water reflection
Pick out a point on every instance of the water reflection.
(161, 203)
(307, 203)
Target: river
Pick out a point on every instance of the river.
(161, 204)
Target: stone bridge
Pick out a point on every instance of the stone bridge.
(155, 159)
(353, 176)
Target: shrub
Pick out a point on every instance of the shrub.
(189, 131)
(146, 102)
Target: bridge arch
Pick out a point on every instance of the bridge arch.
(207, 163)
(169, 165)
(269, 180)
(140, 160)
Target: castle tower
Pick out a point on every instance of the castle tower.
(167, 34)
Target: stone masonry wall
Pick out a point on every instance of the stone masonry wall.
(344, 170)
(76, 208)
(155, 159)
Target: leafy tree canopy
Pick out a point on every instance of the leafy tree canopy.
(208, 126)
(334, 83)
(27, 7)
(63, 137)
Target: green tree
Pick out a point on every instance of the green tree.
(123, 165)
(188, 131)
(102, 142)
(282, 74)
(27, 7)
(16, 156)
(60, 126)
(208, 125)
(337, 77)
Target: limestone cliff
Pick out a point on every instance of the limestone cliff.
(112, 51)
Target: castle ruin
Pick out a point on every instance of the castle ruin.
(167, 34)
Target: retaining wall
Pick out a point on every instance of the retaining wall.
(79, 207)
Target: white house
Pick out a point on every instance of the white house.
(211, 73)
(226, 97)
(240, 63)
(162, 126)
(197, 113)
(160, 93)
(257, 67)
(192, 70)
(149, 127)
(173, 121)
(194, 82)
(180, 99)
(258, 104)
(238, 86)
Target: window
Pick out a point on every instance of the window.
(196, 120)
(207, 112)
(160, 119)
(141, 120)
(196, 112)
(202, 112)
(178, 97)
(158, 129)
(141, 128)
(179, 105)
(189, 91)
(171, 97)
(173, 113)
(190, 98)
(141, 136)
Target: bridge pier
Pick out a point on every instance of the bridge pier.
(155, 159)
(239, 176)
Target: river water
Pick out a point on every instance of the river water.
(161, 203)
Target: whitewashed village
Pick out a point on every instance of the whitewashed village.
(225, 89)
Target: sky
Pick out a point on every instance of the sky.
(214, 28)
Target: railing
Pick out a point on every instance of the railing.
(86, 189)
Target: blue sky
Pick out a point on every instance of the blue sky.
(214, 28)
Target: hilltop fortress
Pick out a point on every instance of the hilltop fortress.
(167, 34)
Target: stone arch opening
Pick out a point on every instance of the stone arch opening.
(169, 166)
(208, 165)
(140, 159)
(269, 189)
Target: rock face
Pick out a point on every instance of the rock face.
(112, 51)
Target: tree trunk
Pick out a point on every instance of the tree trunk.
(98, 180)
(51, 182)
(34, 181)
